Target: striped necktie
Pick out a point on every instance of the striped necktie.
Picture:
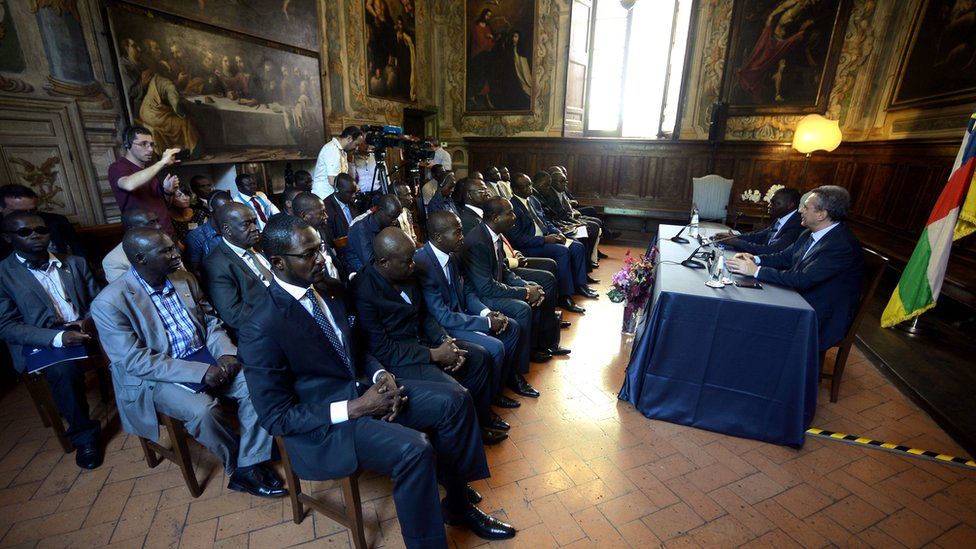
(327, 328)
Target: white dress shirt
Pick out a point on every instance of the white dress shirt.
(267, 208)
(249, 261)
(443, 259)
(442, 157)
(50, 280)
(330, 163)
(365, 170)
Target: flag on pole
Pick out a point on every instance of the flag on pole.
(953, 217)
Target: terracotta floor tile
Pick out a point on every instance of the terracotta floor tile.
(248, 520)
(712, 476)
(626, 508)
(673, 521)
(854, 514)
(960, 536)
(598, 529)
(722, 532)
(909, 528)
(742, 511)
(637, 534)
(560, 523)
(801, 532)
(282, 535)
(802, 500)
(755, 488)
(544, 484)
(688, 493)
(777, 539)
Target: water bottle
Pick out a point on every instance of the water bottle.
(693, 230)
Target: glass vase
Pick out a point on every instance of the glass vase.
(629, 325)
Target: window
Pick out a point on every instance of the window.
(634, 61)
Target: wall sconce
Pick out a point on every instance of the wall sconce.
(815, 133)
(627, 4)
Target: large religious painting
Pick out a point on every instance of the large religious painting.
(783, 54)
(390, 49)
(216, 96)
(500, 37)
(292, 22)
(939, 64)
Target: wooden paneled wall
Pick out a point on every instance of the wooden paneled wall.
(893, 184)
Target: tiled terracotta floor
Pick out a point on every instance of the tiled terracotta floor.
(581, 469)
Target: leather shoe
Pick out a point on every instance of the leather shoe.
(269, 476)
(491, 438)
(89, 455)
(614, 235)
(560, 351)
(568, 304)
(502, 401)
(542, 355)
(498, 424)
(586, 291)
(565, 324)
(473, 496)
(251, 481)
(481, 524)
(591, 280)
(601, 255)
(521, 387)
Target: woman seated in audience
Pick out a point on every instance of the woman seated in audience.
(186, 212)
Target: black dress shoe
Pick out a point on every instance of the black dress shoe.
(270, 476)
(568, 304)
(591, 280)
(586, 291)
(614, 235)
(481, 524)
(502, 401)
(560, 351)
(473, 496)
(498, 424)
(565, 324)
(521, 387)
(491, 438)
(601, 255)
(540, 356)
(251, 481)
(89, 456)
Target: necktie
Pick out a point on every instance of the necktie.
(499, 258)
(810, 247)
(347, 212)
(447, 273)
(327, 328)
(509, 250)
(535, 217)
(259, 209)
(264, 273)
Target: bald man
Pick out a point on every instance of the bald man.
(115, 264)
(359, 252)
(311, 209)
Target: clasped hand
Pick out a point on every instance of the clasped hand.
(223, 372)
(448, 355)
(742, 263)
(384, 399)
(498, 321)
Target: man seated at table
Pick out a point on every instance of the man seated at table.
(784, 231)
(158, 331)
(44, 302)
(340, 412)
(359, 252)
(825, 264)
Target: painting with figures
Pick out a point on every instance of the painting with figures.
(292, 22)
(498, 70)
(390, 49)
(216, 96)
(783, 54)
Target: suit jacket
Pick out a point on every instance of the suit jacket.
(441, 202)
(483, 271)
(522, 235)
(766, 242)
(267, 207)
(27, 315)
(359, 251)
(134, 339)
(337, 219)
(232, 286)
(293, 375)
(469, 219)
(115, 264)
(399, 333)
(64, 240)
(555, 209)
(828, 278)
(455, 306)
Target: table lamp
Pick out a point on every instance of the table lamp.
(815, 133)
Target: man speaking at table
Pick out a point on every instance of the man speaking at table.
(824, 265)
(777, 237)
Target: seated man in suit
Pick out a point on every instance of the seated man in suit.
(341, 206)
(287, 196)
(158, 331)
(407, 219)
(44, 302)
(359, 252)
(442, 198)
(249, 195)
(18, 198)
(301, 182)
(825, 264)
(556, 200)
(456, 307)
(408, 341)
(115, 264)
(492, 175)
(236, 273)
(310, 208)
(340, 412)
(429, 188)
(777, 237)
(533, 235)
(202, 186)
(201, 241)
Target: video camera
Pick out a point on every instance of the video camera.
(383, 137)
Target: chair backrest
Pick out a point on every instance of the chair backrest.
(711, 195)
(874, 266)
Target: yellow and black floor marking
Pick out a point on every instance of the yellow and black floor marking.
(894, 448)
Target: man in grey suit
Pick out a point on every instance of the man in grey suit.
(236, 273)
(158, 332)
(44, 302)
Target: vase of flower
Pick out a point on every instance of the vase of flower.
(631, 316)
(632, 286)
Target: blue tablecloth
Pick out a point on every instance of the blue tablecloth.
(738, 361)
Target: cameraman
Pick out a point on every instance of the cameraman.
(441, 156)
(332, 161)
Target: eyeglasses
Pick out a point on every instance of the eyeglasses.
(24, 232)
(149, 144)
(307, 256)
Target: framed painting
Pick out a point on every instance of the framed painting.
(390, 49)
(215, 95)
(783, 54)
(292, 22)
(938, 66)
(499, 57)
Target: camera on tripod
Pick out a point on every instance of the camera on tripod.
(414, 152)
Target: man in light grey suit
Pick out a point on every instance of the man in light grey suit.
(158, 331)
(44, 301)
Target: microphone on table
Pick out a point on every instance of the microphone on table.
(682, 240)
(693, 263)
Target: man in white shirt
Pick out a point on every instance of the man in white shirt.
(332, 160)
(441, 156)
(249, 195)
(365, 173)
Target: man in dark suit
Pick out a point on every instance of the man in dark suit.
(557, 205)
(534, 235)
(359, 252)
(825, 264)
(301, 183)
(339, 411)
(341, 207)
(456, 307)
(310, 208)
(783, 232)
(236, 273)
(405, 338)
(44, 302)
(442, 198)
(63, 240)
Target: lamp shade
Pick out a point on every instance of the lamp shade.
(816, 133)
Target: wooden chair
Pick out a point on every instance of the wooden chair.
(874, 266)
(178, 454)
(351, 516)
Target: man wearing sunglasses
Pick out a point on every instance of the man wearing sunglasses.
(18, 198)
(44, 302)
(134, 178)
